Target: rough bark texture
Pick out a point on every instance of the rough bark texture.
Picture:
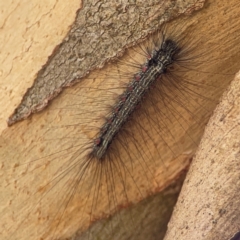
(29, 32)
(22, 214)
(101, 30)
(208, 207)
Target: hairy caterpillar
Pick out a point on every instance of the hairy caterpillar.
(83, 111)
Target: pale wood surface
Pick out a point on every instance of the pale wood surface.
(92, 41)
(29, 32)
(24, 211)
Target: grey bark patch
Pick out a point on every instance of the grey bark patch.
(101, 31)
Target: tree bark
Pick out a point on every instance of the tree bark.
(27, 201)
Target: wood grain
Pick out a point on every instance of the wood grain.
(27, 202)
(29, 31)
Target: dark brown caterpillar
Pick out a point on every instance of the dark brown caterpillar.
(164, 128)
(152, 71)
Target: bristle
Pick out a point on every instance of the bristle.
(155, 129)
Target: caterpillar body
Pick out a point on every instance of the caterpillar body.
(117, 135)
